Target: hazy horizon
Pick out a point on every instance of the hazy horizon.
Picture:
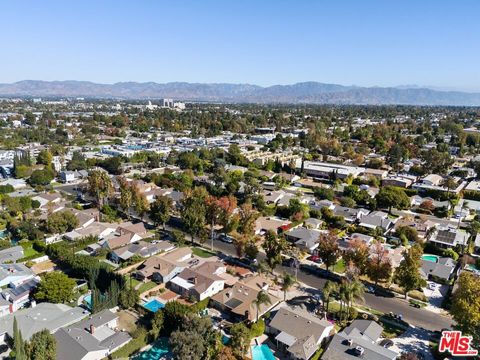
(369, 43)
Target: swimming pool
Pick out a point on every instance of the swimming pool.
(160, 349)
(154, 305)
(87, 300)
(431, 258)
(262, 352)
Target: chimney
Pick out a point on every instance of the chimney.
(92, 329)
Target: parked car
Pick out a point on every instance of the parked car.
(386, 343)
(226, 238)
(315, 259)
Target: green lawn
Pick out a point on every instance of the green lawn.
(28, 250)
(132, 281)
(339, 267)
(146, 286)
(202, 252)
(390, 331)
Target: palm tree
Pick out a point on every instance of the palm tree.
(329, 289)
(287, 283)
(262, 298)
(351, 291)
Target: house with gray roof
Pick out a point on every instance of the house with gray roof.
(93, 338)
(11, 254)
(376, 219)
(443, 268)
(141, 248)
(41, 316)
(17, 296)
(14, 274)
(350, 215)
(359, 340)
(304, 238)
(447, 237)
(298, 332)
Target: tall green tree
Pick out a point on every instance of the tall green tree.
(240, 337)
(55, 287)
(100, 186)
(161, 210)
(328, 249)
(465, 307)
(196, 339)
(287, 282)
(262, 299)
(18, 342)
(44, 157)
(273, 247)
(42, 346)
(194, 211)
(392, 197)
(379, 266)
(407, 275)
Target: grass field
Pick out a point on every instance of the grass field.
(146, 286)
(28, 250)
(202, 252)
(339, 267)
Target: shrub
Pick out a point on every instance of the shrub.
(352, 313)
(257, 328)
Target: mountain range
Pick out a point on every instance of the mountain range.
(299, 93)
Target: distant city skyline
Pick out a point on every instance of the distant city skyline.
(365, 43)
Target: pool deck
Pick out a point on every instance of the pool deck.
(264, 339)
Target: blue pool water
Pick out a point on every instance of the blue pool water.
(88, 301)
(159, 349)
(225, 340)
(262, 352)
(154, 305)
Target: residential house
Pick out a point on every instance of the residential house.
(269, 223)
(442, 269)
(163, 268)
(447, 237)
(41, 316)
(238, 301)
(200, 282)
(141, 248)
(350, 215)
(422, 226)
(376, 219)
(98, 229)
(312, 223)
(304, 238)
(14, 274)
(324, 170)
(91, 339)
(17, 296)
(298, 332)
(125, 234)
(11, 255)
(359, 340)
(403, 181)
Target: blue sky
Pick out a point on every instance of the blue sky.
(361, 42)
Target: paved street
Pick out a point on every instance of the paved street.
(417, 317)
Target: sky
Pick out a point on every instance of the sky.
(432, 43)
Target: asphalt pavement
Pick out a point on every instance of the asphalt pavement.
(418, 317)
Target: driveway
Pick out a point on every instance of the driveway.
(435, 296)
(413, 340)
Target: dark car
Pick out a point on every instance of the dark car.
(386, 343)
